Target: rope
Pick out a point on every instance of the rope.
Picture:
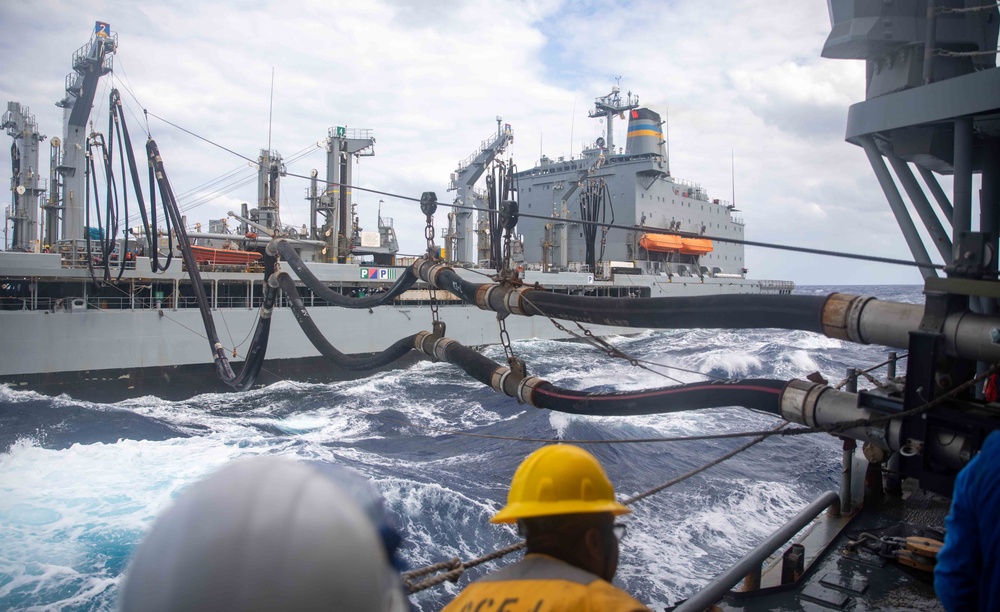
(455, 567)
(982, 7)
(613, 351)
(701, 469)
(456, 571)
(864, 373)
(946, 53)
(766, 245)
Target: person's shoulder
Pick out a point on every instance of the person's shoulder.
(992, 444)
(607, 596)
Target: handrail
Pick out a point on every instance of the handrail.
(716, 589)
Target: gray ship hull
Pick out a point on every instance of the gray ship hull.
(108, 348)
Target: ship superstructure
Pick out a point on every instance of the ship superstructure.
(632, 184)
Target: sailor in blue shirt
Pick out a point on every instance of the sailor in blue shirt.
(967, 575)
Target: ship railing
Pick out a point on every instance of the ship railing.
(777, 286)
(750, 565)
(169, 301)
(483, 146)
(352, 133)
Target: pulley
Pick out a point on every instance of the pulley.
(428, 202)
(508, 215)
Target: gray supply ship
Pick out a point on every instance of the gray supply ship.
(99, 313)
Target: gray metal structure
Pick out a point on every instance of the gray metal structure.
(459, 245)
(90, 62)
(26, 187)
(932, 99)
(335, 202)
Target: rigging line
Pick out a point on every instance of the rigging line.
(226, 324)
(947, 53)
(607, 348)
(469, 434)
(127, 84)
(212, 182)
(456, 566)
(205, 198)
(128, 106)
(197, 333)
(754, 243)
(766, 245)
(942, 10)
(646, 361)
(836, 427)
(214, 144)
(249, 333)
(874, 367)
(710, 464)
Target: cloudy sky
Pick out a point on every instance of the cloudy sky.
(430, 78)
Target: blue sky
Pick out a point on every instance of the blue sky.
(430, 78)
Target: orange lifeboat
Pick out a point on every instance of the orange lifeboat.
(223, 256)
(696, 246)
(661, 243)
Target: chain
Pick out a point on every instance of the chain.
(505, 338)
(428, 204)
(608, 349)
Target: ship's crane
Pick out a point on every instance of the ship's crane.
(90, 62)
(460, 248)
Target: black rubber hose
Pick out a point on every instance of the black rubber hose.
(450, 281)
(732, 311)
(258, 345)
(407, 280)
(758, 394)
(349, 362)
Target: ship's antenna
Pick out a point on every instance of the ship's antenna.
(732, 172)
(667, 138)
(270, 114)
(572, 125)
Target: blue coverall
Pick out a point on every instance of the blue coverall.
(967, 575)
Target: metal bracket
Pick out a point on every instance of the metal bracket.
(974, 256)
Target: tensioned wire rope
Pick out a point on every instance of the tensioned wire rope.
(456, 570)
(754, 243)
(610, 350)
(456, 567)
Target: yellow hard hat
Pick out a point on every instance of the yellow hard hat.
(559, 479)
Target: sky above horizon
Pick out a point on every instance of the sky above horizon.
(430, 78)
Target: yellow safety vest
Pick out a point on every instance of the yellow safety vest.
(540, 583)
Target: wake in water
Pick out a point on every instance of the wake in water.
(80, 483)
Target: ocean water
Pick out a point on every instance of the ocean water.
(80, 483)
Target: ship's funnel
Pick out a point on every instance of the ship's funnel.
(645, 133)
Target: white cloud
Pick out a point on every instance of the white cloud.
(430, 77)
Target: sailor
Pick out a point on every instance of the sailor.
(967, 573)
(565, 507)
(269, 534)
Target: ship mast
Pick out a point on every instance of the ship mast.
(610, 105)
